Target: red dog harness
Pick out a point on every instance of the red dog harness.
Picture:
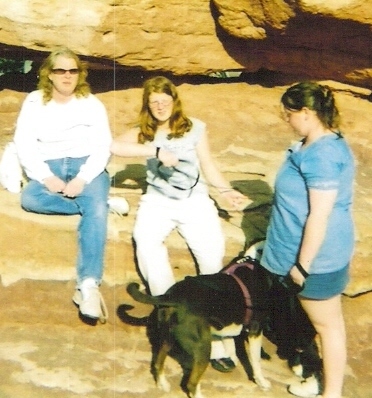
(230, 270)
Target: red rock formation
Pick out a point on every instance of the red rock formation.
(317, 39)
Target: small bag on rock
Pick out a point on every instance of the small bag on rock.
(10, 169)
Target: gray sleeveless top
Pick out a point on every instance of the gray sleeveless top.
(183, 180)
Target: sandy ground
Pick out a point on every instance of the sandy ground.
(47, 351)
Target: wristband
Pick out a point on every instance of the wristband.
(303, 272)
(157, 152)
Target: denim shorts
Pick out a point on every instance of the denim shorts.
(325, 286)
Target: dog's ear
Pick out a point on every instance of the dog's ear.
(255, 328)
(216, 323)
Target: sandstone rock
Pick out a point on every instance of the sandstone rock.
(248, 140)
(314, 39)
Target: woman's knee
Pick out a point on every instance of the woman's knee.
(28, 203)
(145, 234)
(30, 199)
(101, 209)
(145, 245)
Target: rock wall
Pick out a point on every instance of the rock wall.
(311, 38)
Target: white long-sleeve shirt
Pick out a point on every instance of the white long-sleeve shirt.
(75, 129)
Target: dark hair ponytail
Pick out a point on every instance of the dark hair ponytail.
(315, 97)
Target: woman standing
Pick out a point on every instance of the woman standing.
(311, 234)
(63, 139)
(177, 151)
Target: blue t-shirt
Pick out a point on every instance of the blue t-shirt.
(326, 164)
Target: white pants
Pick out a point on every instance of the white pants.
(195, 218)
(224, 348)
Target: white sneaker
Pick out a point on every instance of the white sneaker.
(118, 205)
(307, 388)
(90, 301)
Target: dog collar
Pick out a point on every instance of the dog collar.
(230, 270)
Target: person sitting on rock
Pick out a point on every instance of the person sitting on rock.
(63, 142)
(176, 149)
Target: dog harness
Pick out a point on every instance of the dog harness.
(247, 262)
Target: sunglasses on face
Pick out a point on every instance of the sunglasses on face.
(60, 71)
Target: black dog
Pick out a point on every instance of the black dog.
(234, 302)
(197, 307)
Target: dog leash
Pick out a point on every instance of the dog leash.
(230, 270)
(193, 180)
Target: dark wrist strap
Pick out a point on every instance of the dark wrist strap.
(304, 273)
(157, 151)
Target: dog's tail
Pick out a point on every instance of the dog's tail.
(134, 292)
(122, 313)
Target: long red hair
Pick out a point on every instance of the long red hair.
(179, 123)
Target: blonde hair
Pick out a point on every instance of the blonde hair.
(45, 84)
(179, 123)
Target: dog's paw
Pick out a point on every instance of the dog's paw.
(198, 393)
(163, 384)
(263, 383)
(297, 370)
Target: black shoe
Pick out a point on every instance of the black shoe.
(223, 364)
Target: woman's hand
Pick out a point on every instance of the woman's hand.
(74, 187)
(54, 184)
(296, 276)
(235, 198)
(167, 158)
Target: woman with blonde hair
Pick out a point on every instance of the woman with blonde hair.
(45, 83)
(63, 139)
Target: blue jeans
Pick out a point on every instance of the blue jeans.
(91, 204)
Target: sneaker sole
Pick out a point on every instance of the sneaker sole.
(104, 313)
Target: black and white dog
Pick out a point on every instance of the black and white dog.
(244, 301)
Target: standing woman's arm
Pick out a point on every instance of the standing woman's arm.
(321, 203)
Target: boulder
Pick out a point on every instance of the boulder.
(312, 38)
